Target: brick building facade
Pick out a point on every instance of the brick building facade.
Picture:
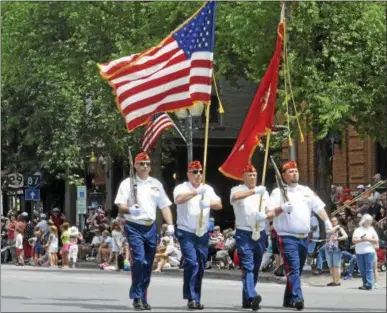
(355, 160)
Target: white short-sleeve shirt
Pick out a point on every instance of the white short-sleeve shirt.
(188, 213)
(364, 247)
(150, 195)
(304, 201)
(246, 209)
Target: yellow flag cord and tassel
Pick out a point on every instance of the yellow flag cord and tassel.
(289, 85)
(220, 109)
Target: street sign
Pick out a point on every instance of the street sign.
(33, 181)
(81, 200)
(14, 192)
(81, 192)
(81, 207)
(32, 195)
(15, 180)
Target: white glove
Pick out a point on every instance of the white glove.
(135, 210)
(201, 190)
(328, 224)
(287, 207)
(205, 203)
(260, 216)
(259, 190)
(171, 230)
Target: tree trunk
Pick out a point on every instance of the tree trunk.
(323, 171)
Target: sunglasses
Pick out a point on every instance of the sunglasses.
(144, 163)
(195, 172)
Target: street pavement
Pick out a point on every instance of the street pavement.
(31, 289)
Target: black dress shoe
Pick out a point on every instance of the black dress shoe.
(288, 305)
(147, 306)
(299, 305)
(138, 305)
(192, 305)
(248, 306)
(255, 303)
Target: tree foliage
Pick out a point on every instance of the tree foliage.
(56, 107)
(338, 66)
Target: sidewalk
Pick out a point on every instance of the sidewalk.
(221, 274)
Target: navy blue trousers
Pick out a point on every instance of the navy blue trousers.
(194, 250)
(294, 252)
(142, 243)
(250, 253)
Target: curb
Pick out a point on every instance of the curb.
(213, 274)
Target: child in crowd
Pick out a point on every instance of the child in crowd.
(19, 246)
(116, 242)
(52, 246)
(75, 235)
(38, 249)
(65, 237)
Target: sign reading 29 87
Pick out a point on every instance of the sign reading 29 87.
(33, 181)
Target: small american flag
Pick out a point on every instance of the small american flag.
(156, 125)
(170, 76)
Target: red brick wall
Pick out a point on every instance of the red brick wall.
(353, 162)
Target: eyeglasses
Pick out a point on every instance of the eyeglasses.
(144, 163)
(195, 172)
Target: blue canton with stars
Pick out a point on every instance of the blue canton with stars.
(198, 34)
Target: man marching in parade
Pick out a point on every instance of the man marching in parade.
(194, 201)
(291, 206)
(250, 232)
(140, 213)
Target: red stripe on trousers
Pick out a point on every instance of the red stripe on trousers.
(287, 269)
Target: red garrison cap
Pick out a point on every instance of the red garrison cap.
(249, 168)
(288, 165)
(347, 190)
(194, 165)
(142, 157)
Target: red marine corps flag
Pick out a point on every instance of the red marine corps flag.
(175, 74)
(259, 119)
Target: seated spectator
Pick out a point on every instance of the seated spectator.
(215, 244)
(224, 256)
(104, 248)
(167, 256)
(123, 257)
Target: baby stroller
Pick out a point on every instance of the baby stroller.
(382, 263)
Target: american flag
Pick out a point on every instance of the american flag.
(170, 76)
(155, 126)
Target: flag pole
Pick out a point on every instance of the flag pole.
(265, 165)
(257, 233)
(206, 141)
(177, 129)
(199, 232)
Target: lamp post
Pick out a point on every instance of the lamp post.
(187, 115)
(92, 163)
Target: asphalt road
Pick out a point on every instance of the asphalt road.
(45, 290)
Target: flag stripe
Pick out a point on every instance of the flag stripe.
(175, 102)
(154, 128)
(176, 64)
(146, 55)
(144, 70)
(111, 67)
(146, 92)
(152, 136)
